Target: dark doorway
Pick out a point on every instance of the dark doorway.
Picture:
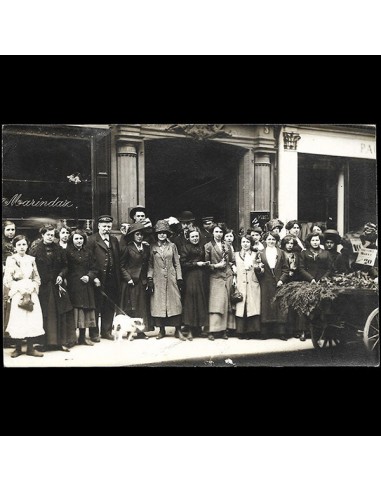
(362, 193)
(184, 174)
(317, 188)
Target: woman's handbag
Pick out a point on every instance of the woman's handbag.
(235, 295)
(26, 303)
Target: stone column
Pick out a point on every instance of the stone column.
(246, 189)
(262, 183)
(288, 176)
(127, 179)
(340, 202)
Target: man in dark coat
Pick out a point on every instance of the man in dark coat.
(181, 239)
(206, 230)
(105, 250)
(138, 215)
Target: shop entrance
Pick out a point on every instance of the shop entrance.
(318, 190)
(190, 175)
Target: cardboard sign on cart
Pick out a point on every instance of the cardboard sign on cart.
(366, 257)
(356, 244)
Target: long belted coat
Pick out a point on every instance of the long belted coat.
(221, 279)
(164, 268)
(248, 285)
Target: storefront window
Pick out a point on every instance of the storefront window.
(36, 183)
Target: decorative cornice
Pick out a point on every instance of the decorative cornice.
(290, 140)
(200, 132)
(127, 150)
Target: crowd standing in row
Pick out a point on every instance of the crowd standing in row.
(168, 277)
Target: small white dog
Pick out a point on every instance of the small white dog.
(123, 325)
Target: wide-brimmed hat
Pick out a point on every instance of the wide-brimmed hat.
(135, 228)
(332, 234)
(163, 226)
(136, 209)
(186, 216)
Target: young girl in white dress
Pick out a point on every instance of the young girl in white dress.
(22, 279)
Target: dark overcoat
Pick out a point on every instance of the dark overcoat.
(133, 264)
(99, 251)
(315, 266)
(49, 269)
(270, 311)
(80, 263)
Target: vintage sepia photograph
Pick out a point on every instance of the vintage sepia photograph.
(190, 245)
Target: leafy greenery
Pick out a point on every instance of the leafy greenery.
(305, 297)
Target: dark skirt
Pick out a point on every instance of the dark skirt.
(59, 327)
(168, 321)
(135, 302)
(195, 307)
(247, 325)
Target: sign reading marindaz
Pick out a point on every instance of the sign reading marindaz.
(18, 201)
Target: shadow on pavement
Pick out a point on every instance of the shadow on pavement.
(350, 355)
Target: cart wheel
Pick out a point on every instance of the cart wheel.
(327, 335)
(371, 331)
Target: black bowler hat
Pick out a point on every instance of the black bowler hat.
(105, 218)
(136, 209)
(186, 216)
(207, 218)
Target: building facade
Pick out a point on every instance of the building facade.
(73, 173)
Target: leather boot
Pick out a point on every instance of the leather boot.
(179, 335)
(162, 333)
(18, 350)
(30, 350)
(82, 338)
(190, 336)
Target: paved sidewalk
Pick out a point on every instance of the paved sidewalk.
(140, 352)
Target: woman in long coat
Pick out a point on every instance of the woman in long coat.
(295, 323)
(165, 281)
(220, 256)
(57, 309)
(194, 267)
(275, 274)
(315, 263)
(134, 267)
(248, 310)
(81, 274)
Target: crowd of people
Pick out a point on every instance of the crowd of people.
(206, 281)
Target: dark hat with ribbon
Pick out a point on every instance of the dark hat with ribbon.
(105, 218)
(186, 216)
(136, 209)
(333, 235)
(163, 226)
(135, 228)
(273, 223)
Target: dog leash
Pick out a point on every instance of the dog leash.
(120, 309)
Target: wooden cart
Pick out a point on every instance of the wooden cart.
(352, 315)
